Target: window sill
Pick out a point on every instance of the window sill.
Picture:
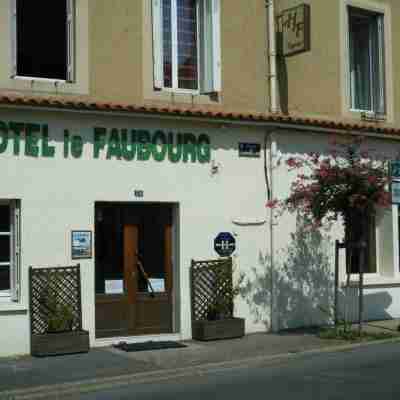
(374, 282)
(368, 115)
(10, 306)
(44, 80)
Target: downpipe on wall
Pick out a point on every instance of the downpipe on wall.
(272, 54)
(269, 153)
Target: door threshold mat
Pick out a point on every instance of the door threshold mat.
(148, 346)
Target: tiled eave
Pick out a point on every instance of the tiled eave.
(63, 103)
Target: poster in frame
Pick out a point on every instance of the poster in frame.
(81, 244)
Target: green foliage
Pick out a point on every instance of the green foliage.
(222, 306)
(353, 335)
(346, 180)
(59, 317)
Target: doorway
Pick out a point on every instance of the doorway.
(133, 269)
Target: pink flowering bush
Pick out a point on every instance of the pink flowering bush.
(346, 181)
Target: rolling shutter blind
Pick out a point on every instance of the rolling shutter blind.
(71, 40)
(13, 38)
(157, 44)
(210, 46)
(16, 256)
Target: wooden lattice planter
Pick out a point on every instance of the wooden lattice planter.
(52, 344)
(227, 328)
(211, 284)
(56, 313)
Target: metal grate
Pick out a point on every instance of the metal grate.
(211, 283)
(64, 285)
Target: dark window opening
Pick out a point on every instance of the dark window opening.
(369, 266)
(42, 39)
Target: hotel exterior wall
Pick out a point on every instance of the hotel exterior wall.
(58, 195)
(315, 83)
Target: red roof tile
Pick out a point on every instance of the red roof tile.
(60, 102)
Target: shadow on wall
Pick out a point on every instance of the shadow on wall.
(303, 286)
(302, 281)
(282, 75)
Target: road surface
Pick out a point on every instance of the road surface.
(367, 373)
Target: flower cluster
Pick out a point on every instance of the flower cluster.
(345, 180)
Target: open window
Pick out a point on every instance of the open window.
(367, 61)
(186, 45)
(43, 39)
(9, 250)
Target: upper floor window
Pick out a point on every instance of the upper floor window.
(43, 33)
(186, 45)
(367, 61)
(9, 249)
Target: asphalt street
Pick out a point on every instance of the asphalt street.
(362, 373)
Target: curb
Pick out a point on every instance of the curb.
(58, 391)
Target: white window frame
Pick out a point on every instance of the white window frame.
(70, 62)
(378, 8)
(377, 86)
(15, 253)
(208, 48)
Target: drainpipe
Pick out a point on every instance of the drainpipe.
(270, 147)
(273, 84)
(269, 152)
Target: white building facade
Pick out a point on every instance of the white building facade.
(166, 187)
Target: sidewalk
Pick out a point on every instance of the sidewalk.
(24, 374)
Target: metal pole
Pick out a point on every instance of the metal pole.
(361, 248)
(336, 282)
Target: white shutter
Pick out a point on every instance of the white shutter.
(381, 89)
(210, 46)
(16, 256)
(13, 38)
(216, 62)
(70, 40)
(157, 44)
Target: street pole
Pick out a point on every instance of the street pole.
(336, 283)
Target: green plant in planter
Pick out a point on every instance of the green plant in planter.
(59, 317)
(222, 306)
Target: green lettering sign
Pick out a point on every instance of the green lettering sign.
(31, 140)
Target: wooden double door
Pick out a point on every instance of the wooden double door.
(133, 262)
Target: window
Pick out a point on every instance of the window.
(43, 39)
(186, 45)
(367, 64)
(9, 249)
(370, 254)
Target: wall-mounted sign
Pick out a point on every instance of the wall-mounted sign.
(81, 244)
(224, 244)
(138, 193)
(293, 29)
(35, 140)
(249, 150)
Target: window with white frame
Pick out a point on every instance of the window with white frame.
(43, 36)
(367, 60)
(186, 45)
(9, 250)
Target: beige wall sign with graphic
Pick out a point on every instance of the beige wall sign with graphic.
(293, 27)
